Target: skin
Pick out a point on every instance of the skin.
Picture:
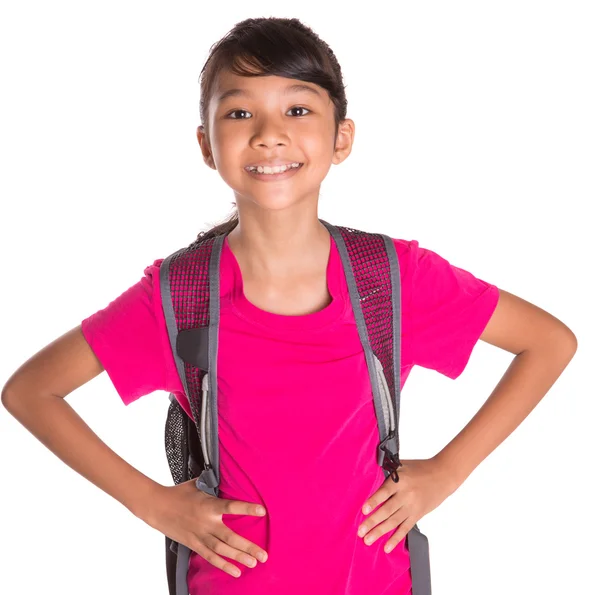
(279, 227)
(543, 347)
(282, 250)
(281, 246)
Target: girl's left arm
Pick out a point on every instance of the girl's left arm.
(543, 347)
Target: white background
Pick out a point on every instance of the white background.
(477, 128)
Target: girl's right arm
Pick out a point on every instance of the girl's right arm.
(35, 396)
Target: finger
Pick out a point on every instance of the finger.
(398, 535)
(213, 558)
(380, 496)
(221, 548)
(381, 514)
(390, 523)
(239, 507)
(239, 543)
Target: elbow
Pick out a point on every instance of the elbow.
(8, 398)
(570, 340)
(11, 395)
(560, 340)
(566, 344)
(563, 338)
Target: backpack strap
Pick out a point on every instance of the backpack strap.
(191, 298)
(374, 283)
(373, 278)
(187, 279)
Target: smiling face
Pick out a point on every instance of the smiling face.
(272, 120)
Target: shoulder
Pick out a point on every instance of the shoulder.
(405, 248)
(139, 299)
(416, 259)
(152, 272)
(408, 252)
(147, 289)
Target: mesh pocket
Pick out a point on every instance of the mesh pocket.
(176, 446)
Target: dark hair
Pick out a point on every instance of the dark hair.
(271, 46)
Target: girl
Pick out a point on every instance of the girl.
(302, 507)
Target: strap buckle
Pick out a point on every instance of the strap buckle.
(388, 460)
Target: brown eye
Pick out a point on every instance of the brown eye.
(243, 111)
(237, 111)
(297, 107)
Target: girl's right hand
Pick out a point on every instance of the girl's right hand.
(194, 518)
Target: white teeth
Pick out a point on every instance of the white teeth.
(277, 169)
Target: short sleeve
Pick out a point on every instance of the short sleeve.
(130, 339)
(448, 311)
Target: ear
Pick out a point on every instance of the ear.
(344, 140)
(205, 148)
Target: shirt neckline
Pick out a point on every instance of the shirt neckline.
(315, 320)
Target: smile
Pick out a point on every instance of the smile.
(266, 177)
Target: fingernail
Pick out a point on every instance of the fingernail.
(361, 531)
(366, 509)
(262, 557)
(261, 510)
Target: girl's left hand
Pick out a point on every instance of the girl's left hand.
(423, 485)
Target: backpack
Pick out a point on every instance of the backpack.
(189, 281)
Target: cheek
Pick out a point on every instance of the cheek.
(321, 156)
(317, 146)
(227, 151)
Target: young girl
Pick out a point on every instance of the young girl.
(302, 505)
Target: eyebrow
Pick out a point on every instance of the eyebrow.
(243, 92)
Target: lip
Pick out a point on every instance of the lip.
(275, 177)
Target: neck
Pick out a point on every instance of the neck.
(274, 249)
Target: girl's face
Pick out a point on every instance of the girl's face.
(275, 120)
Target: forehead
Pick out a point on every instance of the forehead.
(232, 85)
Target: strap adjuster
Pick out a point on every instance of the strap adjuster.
(388, 460)
(391, 462)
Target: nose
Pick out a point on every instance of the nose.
(270, 133)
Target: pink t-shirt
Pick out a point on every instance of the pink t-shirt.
(297, 425)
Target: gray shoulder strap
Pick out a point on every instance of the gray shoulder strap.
(386, 408)
(169, 313)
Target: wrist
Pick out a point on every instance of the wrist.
(146, 500)
(449, 470)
